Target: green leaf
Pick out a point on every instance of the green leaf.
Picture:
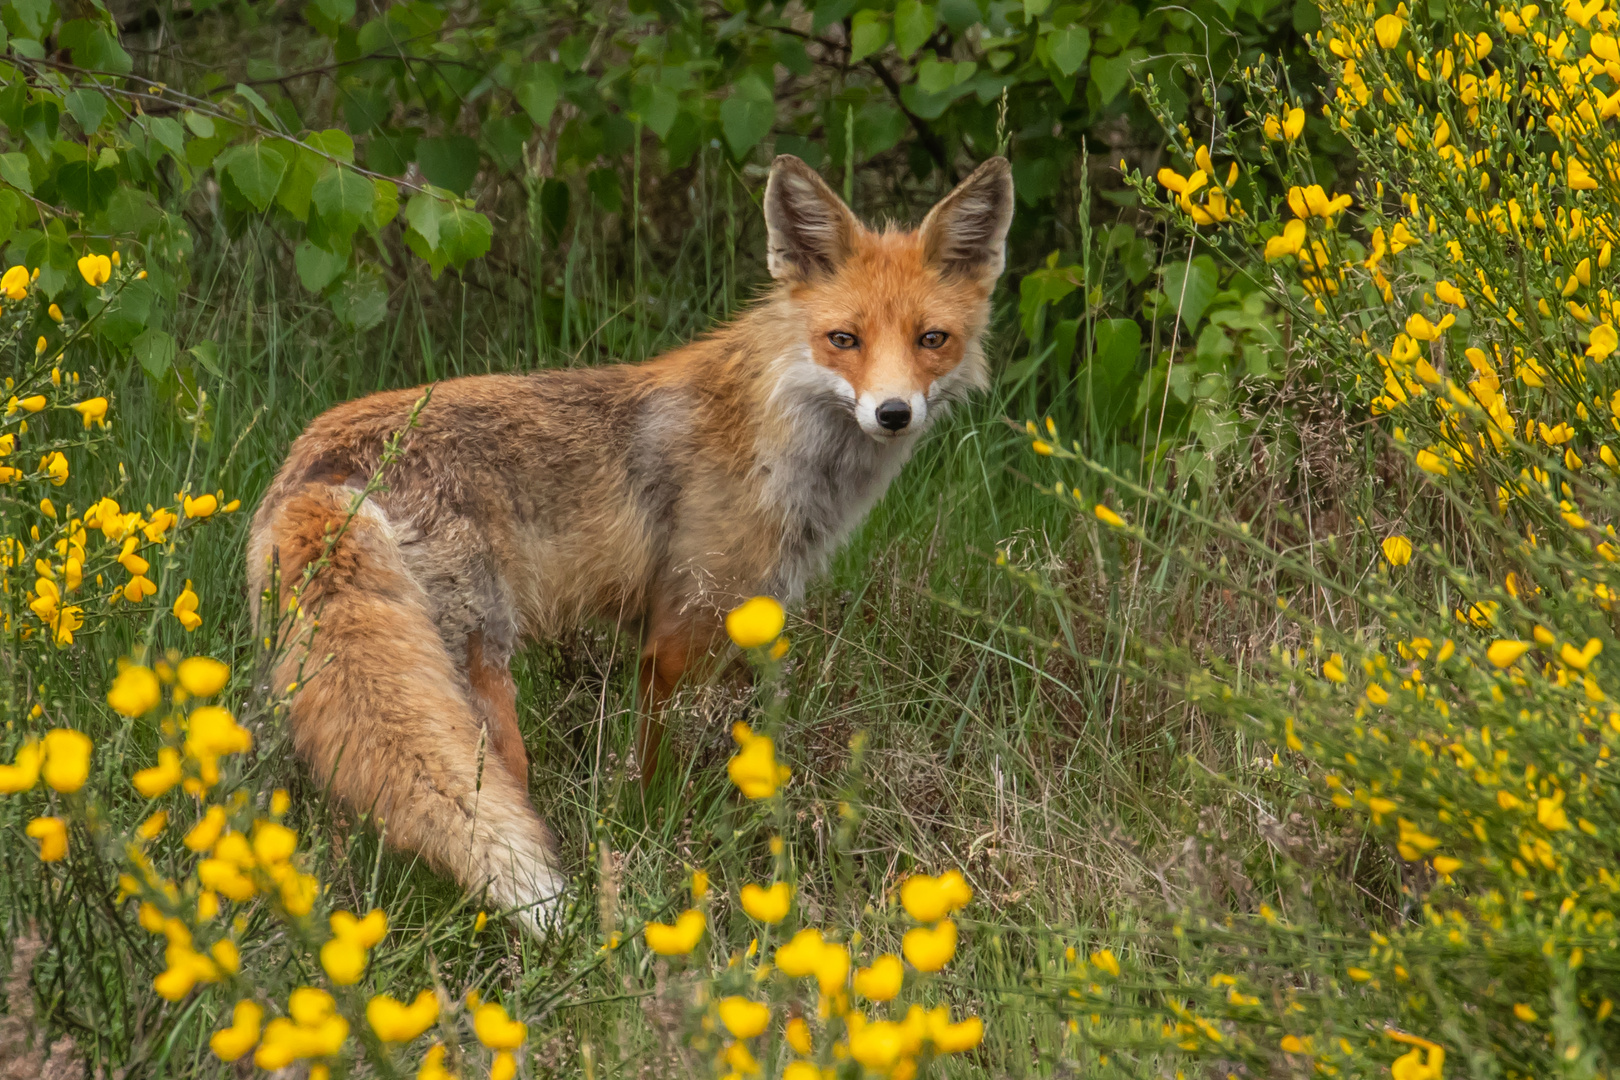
(448, 161)
(168, 133)
(913, 25)
(10, 203)
(337, 11)
(1068, 48)
(200, 125)
(1112, 75)
(361, 301)
(14, 171)
(84, 188)
(1118, 342)
(296, 187)
(657, 106)
(1034, 9)
(252, 97)
(333, 142)
(385, 206)
(30, 16)
(317, 268)
(154, 348)
(1189, 287)
(87, 107)
(537, 90)
(422, 216)
(132, 212)
(344, 199)
(206, 353)
(463, 235)
(869, 33)
(256, 169)
(747, 115)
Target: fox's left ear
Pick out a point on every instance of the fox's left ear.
(966, 232)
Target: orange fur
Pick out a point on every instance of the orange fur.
(655, 496)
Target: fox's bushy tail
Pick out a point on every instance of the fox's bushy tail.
(383, 714)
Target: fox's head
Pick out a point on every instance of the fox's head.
(892, 319)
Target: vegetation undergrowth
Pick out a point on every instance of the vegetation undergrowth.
(1263, 728)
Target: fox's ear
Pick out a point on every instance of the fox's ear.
(966, 231)
(809, 231)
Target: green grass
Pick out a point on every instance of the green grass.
(1066, 795)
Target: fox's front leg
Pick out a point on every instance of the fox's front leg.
(495, 694)
(665, 656)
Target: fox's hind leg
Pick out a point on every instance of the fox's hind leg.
(382, 715)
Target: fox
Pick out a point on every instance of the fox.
(651, 496)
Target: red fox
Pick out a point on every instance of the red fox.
(655, 496)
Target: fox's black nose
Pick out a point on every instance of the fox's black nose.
(893, 415)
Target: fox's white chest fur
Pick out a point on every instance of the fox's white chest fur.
(821, 472)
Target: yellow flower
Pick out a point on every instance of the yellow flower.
(1288, 242)
(1398, 550)
(755, 623)
(799, 956)
(742, 1017)
(67, 759)
(1420, 328)
(344, 960)
(232, 1042)
(1603, 342)
(203, 676)
(928, 899)
(1445, 864)
(753, 767)
(1108, 517)
(397, 1022)
(95, 269)
(957, 1038)
(881, 981)
(55, 466)
(202, 506)
(1524, 1012)
(1550, 813)
(1293, 1044)
(185, 608)
(1293, 124)
(1333, 668)
(768, 905)
(55, 314)
(433, 1065)
(1358, 974)
(23, 773)
(1430, 462)
(1505, 653)
(1389, 29)
(831, 966)
(1579, 178)
(51, 832)
(1450, 294)
(14, 283)
(1104, 958)
(94, 411)
(139, 588)
(876, 1045)
(930, 949)
(496, 1030)
(679, 939)
(797, 1033)
(480, 922)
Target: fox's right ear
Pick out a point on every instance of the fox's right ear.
(809, 231)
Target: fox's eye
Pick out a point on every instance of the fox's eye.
(842, 340)
(933, 339)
